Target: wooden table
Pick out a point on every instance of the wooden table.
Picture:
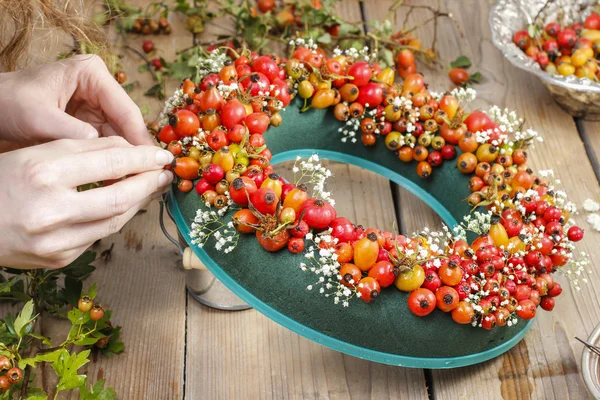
(177, 348)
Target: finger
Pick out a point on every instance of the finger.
(64, 258)
(107, 130)
(112, 163)
(73, 146)
(89, 145)
(49, 261)
(122, 113)
(58, 124)
(117, 199)
(89, 232)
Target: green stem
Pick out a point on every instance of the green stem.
(279, 228)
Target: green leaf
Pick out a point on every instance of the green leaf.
(92, 291)
(14, 271)
(66, 368)
(80, 268)
(51, 357)
(114, 345)
(78, 317)
(461, 62)
(475, 77)
(24, 318)
(324, 38)
(88, 341)
(72, 290)
(7, 284)
(164, 63)
(44, 339)
(145, 109)
(96, 392)
(36, 394)
(155, 91)
(143, 68)
(347, 29)
(387, 56)
(534, 30)
(128, 87)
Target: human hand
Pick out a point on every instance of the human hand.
(75, 98)
(46, 223)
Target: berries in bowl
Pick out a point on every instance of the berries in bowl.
(558, 43)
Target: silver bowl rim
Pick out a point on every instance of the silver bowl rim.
(509, 51)
(593, 384)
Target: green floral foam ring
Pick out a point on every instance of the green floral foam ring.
(384, 330)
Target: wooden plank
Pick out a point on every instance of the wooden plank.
(245, 355)
(544, 365)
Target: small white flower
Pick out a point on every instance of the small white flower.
(590, 205)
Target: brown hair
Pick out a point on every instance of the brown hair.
(18, 18)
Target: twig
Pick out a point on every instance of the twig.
(546, 4)
(143, 57)
(407, 16)
(107, 253)
(193, 33)
(32, 350)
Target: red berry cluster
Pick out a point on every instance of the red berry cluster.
(85, 304)
(147, 26)
(11, 375)
(565, 50)
(214, 128)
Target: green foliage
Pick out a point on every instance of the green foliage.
(24, 319)
(475, 77)
(461, 62)
(96, 392)
(41, 294)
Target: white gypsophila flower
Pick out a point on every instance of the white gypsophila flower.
(464, 95)
(210, 224)
(590, 205)
(213, 63)
(594, 220)
(177, 100)
(311, 172)
(325, 268)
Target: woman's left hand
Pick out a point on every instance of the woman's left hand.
(79, 95)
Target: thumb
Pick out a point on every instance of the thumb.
(60, 125)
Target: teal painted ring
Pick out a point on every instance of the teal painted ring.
(378, 169)
(321, 338)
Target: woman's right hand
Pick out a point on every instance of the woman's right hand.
(46, 223)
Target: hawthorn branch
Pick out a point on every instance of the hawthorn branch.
(144, 58)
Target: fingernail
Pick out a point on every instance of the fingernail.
(165, 178)
(163, 157)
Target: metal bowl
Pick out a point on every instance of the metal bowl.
(580, 97)
(590, 365)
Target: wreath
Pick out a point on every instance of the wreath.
(508, 230)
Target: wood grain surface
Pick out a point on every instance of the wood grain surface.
(177, 348)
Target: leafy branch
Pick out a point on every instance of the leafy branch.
(24, 347)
